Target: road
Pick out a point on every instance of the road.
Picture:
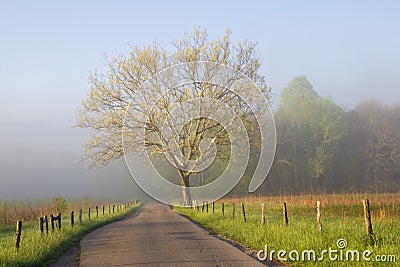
(159, 236)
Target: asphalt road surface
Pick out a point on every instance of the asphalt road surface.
(158, 236)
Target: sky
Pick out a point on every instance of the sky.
(348, 50)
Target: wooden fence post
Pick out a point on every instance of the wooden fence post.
(207, 206)
(113, 208)
(18, 232)
(46, 221)
(233, 211)
(52, 222)
(367, 216)
(80, 216)
(223, 209)
(213, 207)
(109, 209)
(97, 212)
(244, 213)
(263, 213)
(202, 207)
(319, 216)
(72, 218)
(285, 217)
(41, 228)
(103, 209)
(59, 221)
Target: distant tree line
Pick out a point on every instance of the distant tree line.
(323, 148)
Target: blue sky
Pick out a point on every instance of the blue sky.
(349, 50)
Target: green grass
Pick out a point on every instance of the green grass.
(340, 219)
(40, 250)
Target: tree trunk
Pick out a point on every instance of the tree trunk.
(375, 180)
(187, 199)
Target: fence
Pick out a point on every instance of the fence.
(366, 204)
(55, 221)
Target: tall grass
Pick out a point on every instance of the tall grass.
(38, 250)
(342, 218)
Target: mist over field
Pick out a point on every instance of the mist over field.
(41, 161)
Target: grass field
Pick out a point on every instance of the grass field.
(40, 250)
(342, 218)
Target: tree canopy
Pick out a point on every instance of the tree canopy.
(128, 102)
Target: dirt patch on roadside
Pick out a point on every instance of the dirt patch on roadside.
(70, 258)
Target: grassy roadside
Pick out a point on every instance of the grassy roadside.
(342, 219)
(37, 250)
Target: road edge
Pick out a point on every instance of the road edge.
(71, 257)
(249, 251)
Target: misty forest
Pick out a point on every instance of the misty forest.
(323, 148)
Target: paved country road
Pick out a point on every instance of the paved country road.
(158, 236)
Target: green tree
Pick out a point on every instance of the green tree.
(309, 127)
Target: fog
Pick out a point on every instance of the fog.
(39, 161)
(348, 50)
